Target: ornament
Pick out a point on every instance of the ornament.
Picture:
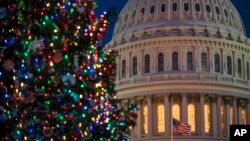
(76, 60)
(3, 12)
(36, 45)
(58, 56)
(8, 65)
(69, 80)
(47, 131)
(80, 9)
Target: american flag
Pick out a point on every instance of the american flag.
(180, 128)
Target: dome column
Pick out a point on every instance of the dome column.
(235, 117)
(219, 129)
(168, 116)
(184, 108)
(150, 116)
(228, 103)
(202, 121)
(138, 121)
(214, 116)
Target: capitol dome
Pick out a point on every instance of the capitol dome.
(187, 60)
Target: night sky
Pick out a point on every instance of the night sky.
(243, 7)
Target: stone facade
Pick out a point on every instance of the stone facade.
(184, 52)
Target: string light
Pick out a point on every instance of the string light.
(62, 83)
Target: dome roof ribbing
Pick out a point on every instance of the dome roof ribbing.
(140, 15)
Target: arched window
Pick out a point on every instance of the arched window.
(142, 11)
(175, 61)
(186, 6)
(123, 68)
(217, 10)
(208, 116)
(208, 9)
(229, 65)
(163, 7)
(191, 116)
(152, 9)
(244, 116)
(197, 7)
(204, 66)
(248, 71)
(160, 118)
(144, 118)
(174, 6)
(133, 15)
(217, 62)
(190, 64)
(147, 63)
(160, 62)
(239, 68)
(225, 12)
(231, 115)
(134, 67)
(176, 111)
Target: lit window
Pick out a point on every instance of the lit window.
(191, 116)
(244, 116)
(204, 66)
(123, 68)
(144, 119)
(175, 61)
(190, 61)
(229, 65)
(239, 68)
(174, 6)
(134, 67)
(207, 116)
(231, 115)
(223, 118)
(160, 62)
(176, 111)
(147, 63)
(160, 118)
(163, 8)
(217, 62)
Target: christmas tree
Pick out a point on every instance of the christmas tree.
(56, 81)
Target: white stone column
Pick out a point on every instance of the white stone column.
(167, 115)
(118, 71)
(184, 108)
(201, 117)
(240, 111)
(235, 117)
(214, 116)
(150, 116)
(219, 129)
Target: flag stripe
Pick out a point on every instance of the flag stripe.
(181, 128)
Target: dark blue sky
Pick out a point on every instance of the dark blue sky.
(243, 7)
